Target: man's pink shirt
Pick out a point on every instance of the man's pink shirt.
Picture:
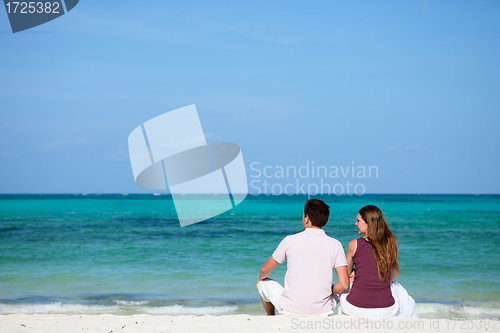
(312, 256)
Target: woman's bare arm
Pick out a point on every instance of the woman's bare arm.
(351, 250)
(394, 275)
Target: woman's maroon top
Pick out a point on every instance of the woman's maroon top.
(367, 290)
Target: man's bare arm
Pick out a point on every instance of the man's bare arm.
(267, 268)
(343, 282)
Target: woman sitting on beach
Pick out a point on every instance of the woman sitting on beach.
(375, 259)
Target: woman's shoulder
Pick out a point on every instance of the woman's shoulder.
(362, 242)
(351, 248)
(355, 242)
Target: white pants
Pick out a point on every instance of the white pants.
(403, 307)
(372, 313)
(271, 291)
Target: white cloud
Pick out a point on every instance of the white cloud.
(120, 155)
(395, 147)
(66, 142)
(399, 147)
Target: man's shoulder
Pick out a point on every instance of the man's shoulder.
(306, 234)
(334, 241)
(331, 239)
(295, 236)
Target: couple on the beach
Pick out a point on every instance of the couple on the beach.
(366, 274)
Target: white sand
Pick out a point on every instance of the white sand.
(230, 324)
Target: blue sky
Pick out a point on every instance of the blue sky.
(412, 87)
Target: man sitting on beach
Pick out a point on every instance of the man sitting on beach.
(312, 256)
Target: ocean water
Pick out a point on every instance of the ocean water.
(127, 254)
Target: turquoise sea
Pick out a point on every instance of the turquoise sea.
(127, 254)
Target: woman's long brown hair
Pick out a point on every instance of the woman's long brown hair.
(383, 241)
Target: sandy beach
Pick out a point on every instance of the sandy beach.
(232, 323)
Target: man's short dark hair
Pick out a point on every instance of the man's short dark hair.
(318, 212)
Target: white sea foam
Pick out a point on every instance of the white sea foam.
(120, 308)
(180, 309)
(485, 310)
(57, 308)
(131, 302)
(425, 310)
